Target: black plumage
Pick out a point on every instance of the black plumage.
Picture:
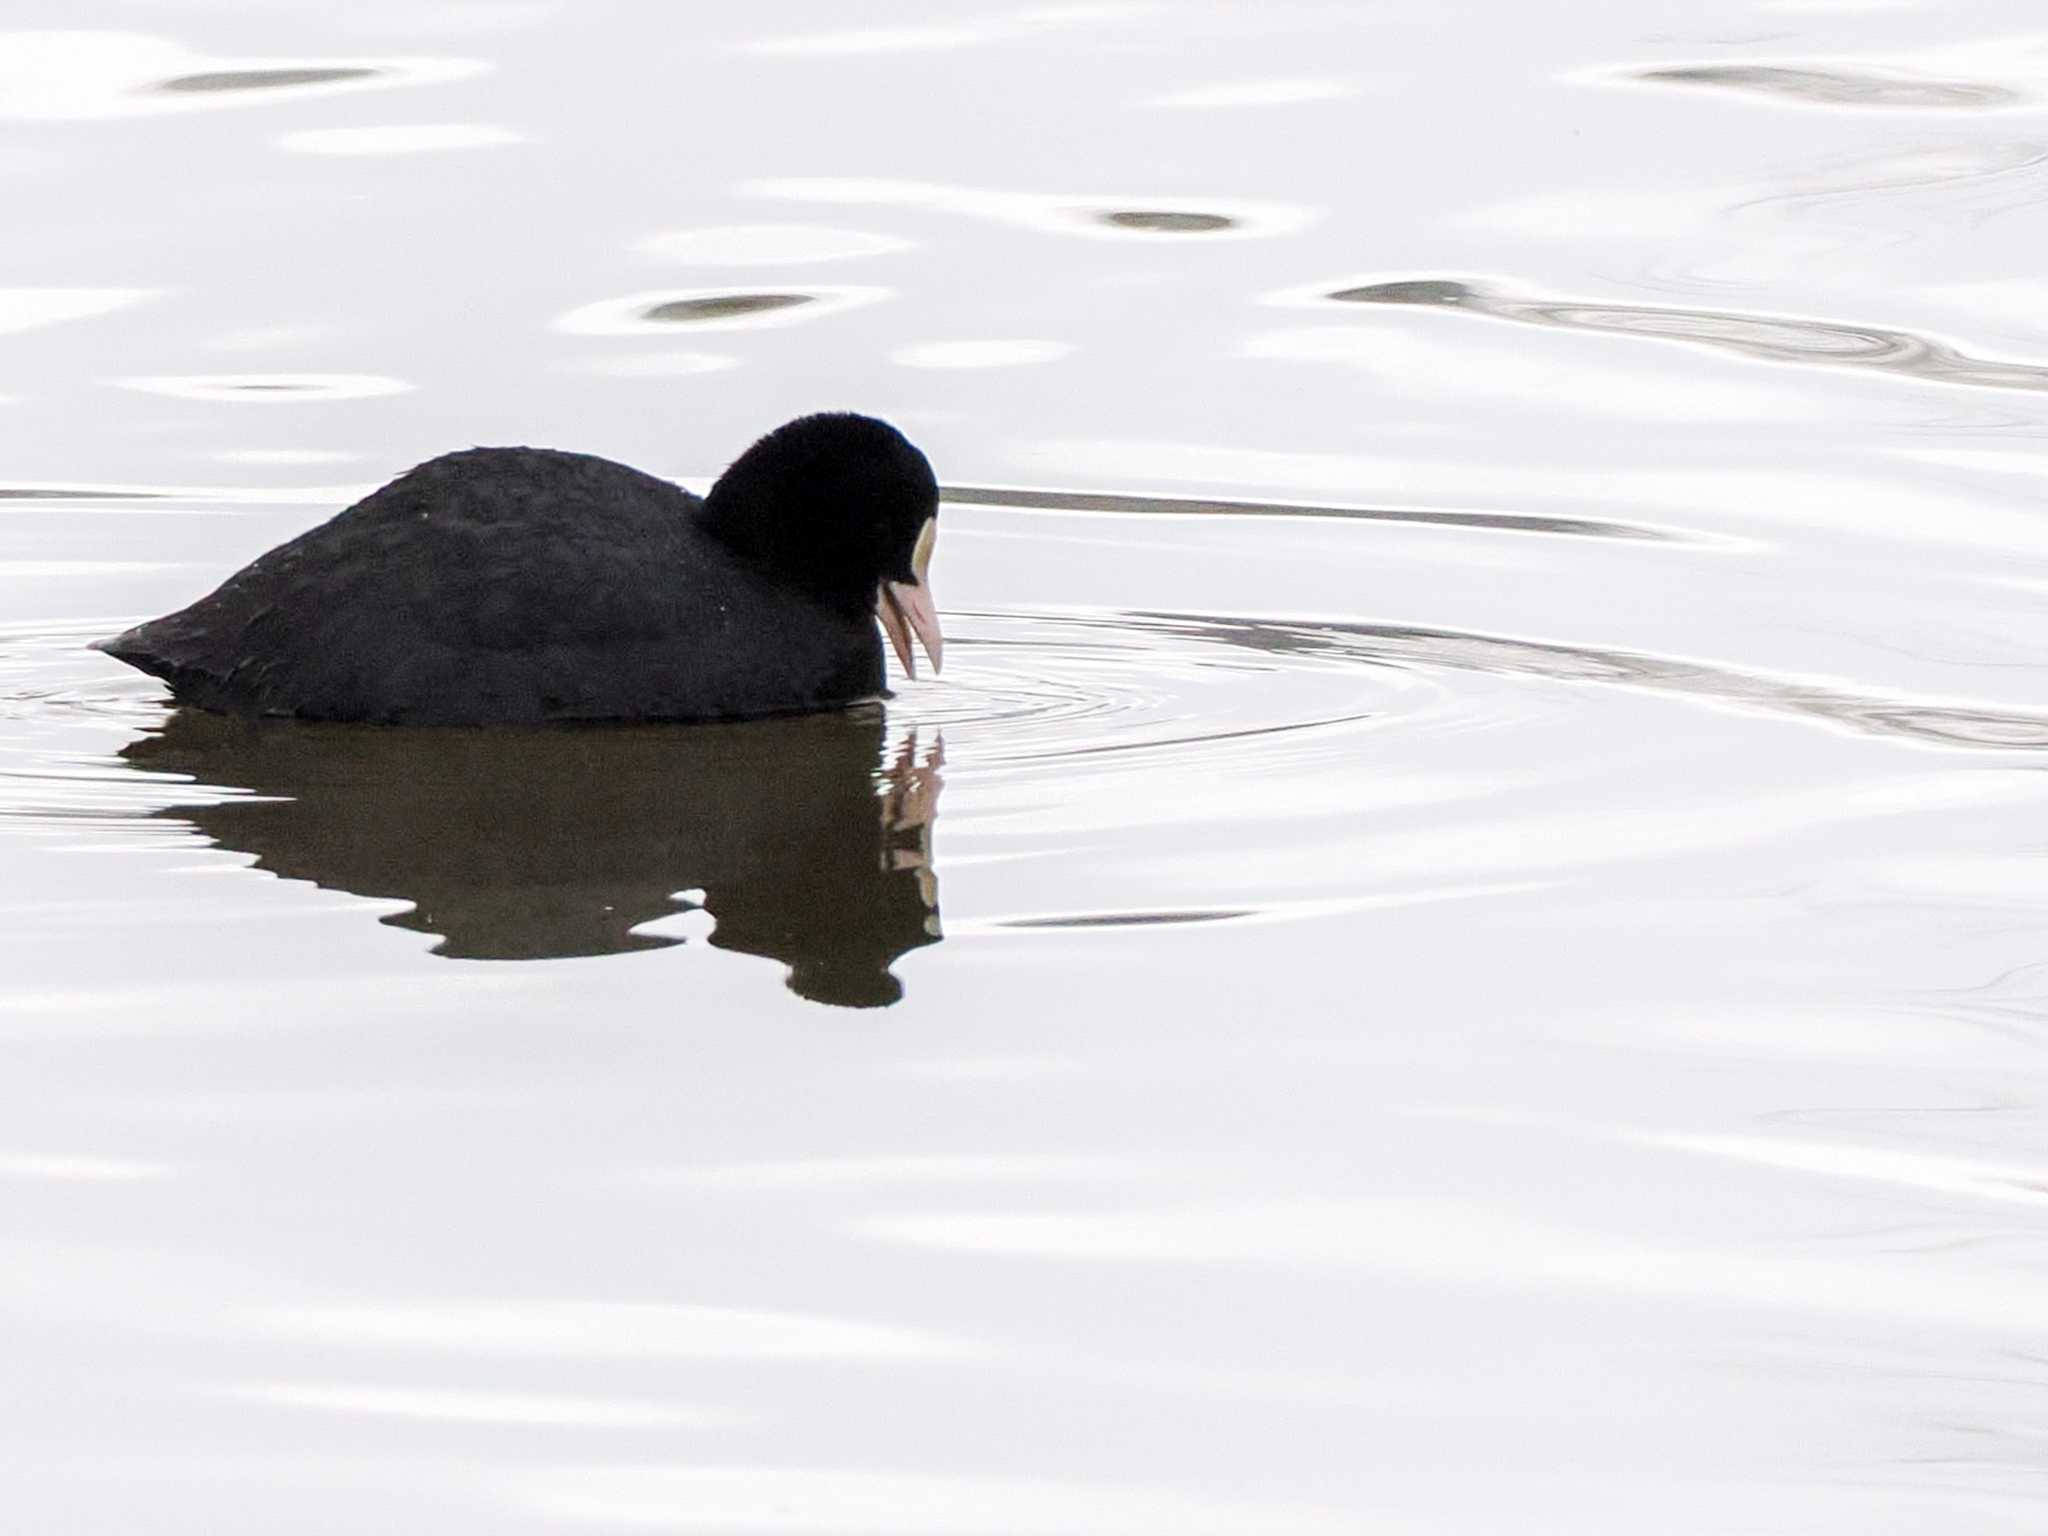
(516, 586)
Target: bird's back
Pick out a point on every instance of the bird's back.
(506, 585)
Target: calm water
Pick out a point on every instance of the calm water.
(1462, 948)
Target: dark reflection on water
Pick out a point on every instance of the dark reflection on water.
(722, 306)
(1167, 221)
(1399, 644)
(1213, 506)
(1769, 338)
(265, 79)
(525, 845)
(1838, 87)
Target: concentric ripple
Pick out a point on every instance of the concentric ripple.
(1021, 688)
(1028, 687)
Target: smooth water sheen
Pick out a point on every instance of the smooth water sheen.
(1462, 948)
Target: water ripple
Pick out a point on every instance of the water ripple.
(1453, 1243)
(1057, 688)
(1929, 722)
(1835, 86)
(712, 309)
(47, 670)
(1215, 506)
(1093, 215)
(1967, 174)
(1766, 338)
(267, 79)
(60, 75)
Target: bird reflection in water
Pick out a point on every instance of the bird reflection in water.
(800, 837)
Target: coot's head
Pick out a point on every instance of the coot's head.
(844, 508)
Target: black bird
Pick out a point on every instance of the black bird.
(521, 586)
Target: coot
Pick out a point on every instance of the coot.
(518, 586)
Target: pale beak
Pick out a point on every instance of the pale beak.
(905, 607)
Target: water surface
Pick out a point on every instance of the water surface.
(1460, 948)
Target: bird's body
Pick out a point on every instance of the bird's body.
(517, 586)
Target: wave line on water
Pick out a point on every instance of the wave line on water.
(1124, 502)
(1834, 85)
(1758, 336)
(1925, 722)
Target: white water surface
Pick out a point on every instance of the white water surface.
(1461, 949)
